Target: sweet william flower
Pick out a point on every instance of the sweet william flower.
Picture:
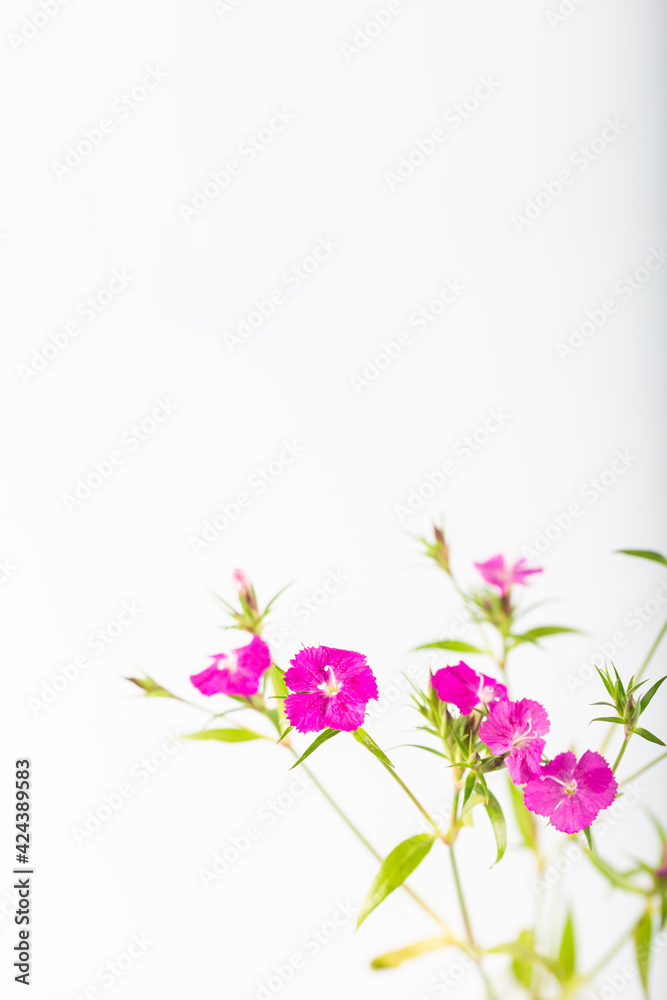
(502, 574)
(238, 672)
(466, 688)
(330, 689)
(516, 728)
(570, 792)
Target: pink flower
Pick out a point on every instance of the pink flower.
(238, 672)
(466, 688)
(517, 727)
(240, 581)
(500, 574)
(330, 689)
(662, 872)
(572, 793)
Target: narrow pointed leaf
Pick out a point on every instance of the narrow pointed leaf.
(645, 735)
(523, 952)
(567, 953)
(422, 746)
(361, 736)
(454, 645)
(533, 634)
(285, 733)
(469, 785)
(317, 742)
(646, 699)
(495, 814)
(392, 959)
(607, 718)
(150, 687)
(523, 971)
(642, 936)
(394, 870)
(225, 735)
(643, 554)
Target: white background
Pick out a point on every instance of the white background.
(364, 448)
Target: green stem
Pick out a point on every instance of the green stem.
(620, 753)
(461, 897)
(604, 961)
(651, 652)
(414, 798)
(367, 844)
(626, 781)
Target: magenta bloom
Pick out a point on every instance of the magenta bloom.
(330, 689)
(501, 574)
(517, 727)
(466, 688)
(238, 672)
(572, 793)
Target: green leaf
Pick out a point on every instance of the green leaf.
(361, 736)
(607, 718)
(642, 935)
(643, 554)
(567, 953)
(150, 687)
(394, 870)
(317, 742)
(454, 645)
(524, 818)
(523, 971)
(280, 691)
(225, 735)
(523, 952)
(285, 733)
(533, 634)
(392, 959)
(589, 838)
(495, 814)
(469, 785)
(646, 699)
(645, 735)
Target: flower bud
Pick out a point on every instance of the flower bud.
(244, 589)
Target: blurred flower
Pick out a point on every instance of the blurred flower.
(244, 588)
(237, 672)
(501, 574)
(466, 688)
(330, 689)
(517, 727)
(572, 793)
